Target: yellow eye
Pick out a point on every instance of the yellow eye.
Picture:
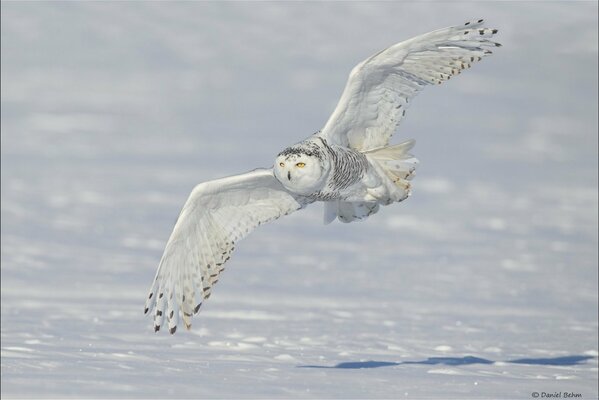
(282, 164)
(300, 165)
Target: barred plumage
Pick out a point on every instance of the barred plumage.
(349, 167)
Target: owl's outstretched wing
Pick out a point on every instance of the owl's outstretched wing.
(216, 215)
(379, 88)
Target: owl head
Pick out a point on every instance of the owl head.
(301, 169)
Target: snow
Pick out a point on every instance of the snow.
(482, 285)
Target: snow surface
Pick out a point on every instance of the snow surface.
(482, 285)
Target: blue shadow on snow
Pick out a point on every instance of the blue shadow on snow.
(567, 360)
(467, 360)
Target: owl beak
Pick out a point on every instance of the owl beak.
(288, 175)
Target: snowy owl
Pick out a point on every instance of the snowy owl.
(349, 165)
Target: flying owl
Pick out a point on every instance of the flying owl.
(349, 165)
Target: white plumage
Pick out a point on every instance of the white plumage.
(348, 165)
(379, 88)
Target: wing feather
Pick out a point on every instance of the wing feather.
(380, 88)
(216, 215)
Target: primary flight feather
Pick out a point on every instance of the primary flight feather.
(348, 165)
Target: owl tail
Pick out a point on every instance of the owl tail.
(395, 161)
(396, 167)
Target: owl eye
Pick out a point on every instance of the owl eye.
(282, 164)
(300, 165)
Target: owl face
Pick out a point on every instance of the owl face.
(300, 173)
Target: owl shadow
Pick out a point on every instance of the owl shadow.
(467, 360)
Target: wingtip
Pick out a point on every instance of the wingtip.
(475, 21)
(173, 330)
